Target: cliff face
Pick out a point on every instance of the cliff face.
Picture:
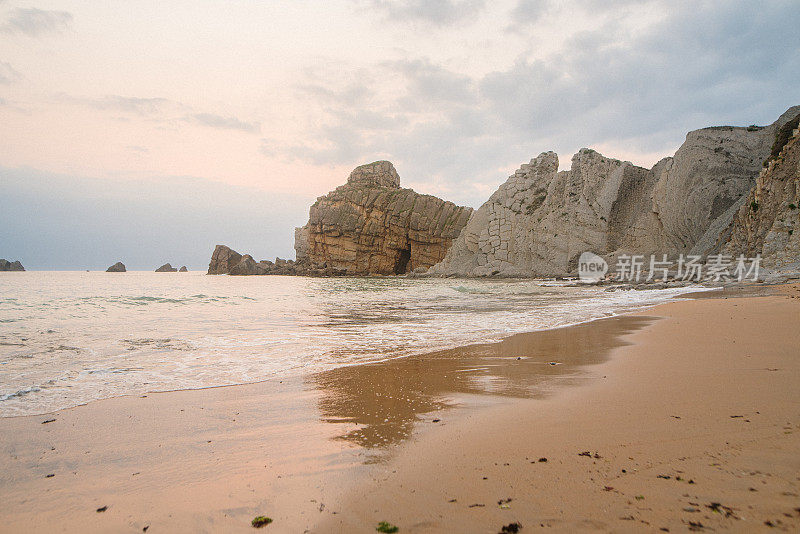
(371, 225)
(768, 223)
(540, 220)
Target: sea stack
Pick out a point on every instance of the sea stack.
(371, 225)
(166, 268)
(118, 267)
(225, 260)
(6, 265)
(183, 269)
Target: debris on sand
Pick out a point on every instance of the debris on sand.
(542, 459)
(511, 528)
(727, 511)
(102, 509)
(386, 527)
(505, 503)
(48, 421)
(476, 505)
(260, 521)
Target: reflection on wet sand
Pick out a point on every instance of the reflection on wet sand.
(385, 399)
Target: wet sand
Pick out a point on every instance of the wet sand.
(410, 441)
(696, 426)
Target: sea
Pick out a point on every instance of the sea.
(68, 338)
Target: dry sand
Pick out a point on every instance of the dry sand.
(697, 408)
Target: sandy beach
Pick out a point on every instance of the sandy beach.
(684, 417)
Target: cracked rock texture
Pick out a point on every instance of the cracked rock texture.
(540, 220)
(768, 222)
(371, 225)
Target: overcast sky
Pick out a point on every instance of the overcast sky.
(149, 131)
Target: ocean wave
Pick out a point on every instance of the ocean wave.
(19, 393)
(122, 336)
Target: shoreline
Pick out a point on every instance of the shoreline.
(693, 292)
(324, 465)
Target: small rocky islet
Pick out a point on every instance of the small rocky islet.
(6, 265)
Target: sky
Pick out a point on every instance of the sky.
(150, 131)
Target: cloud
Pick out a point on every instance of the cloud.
(430, 84)
(699, 63)
(435, 12)
(35, 22)
(527, 13)
(125, 104)
(632, 88)
(8, 74)
(225, 123)
(160, 109)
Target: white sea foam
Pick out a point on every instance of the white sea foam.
(67, 338)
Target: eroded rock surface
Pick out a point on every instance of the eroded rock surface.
(768, 222)
(540, 220)
(371, 225)
(166, 268)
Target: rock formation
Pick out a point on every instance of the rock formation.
(540, 220)
(371, 225)
(225, 260)
(183, 269)
(6, 265)
(118, 267)
(768, 222)
(166, 268)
